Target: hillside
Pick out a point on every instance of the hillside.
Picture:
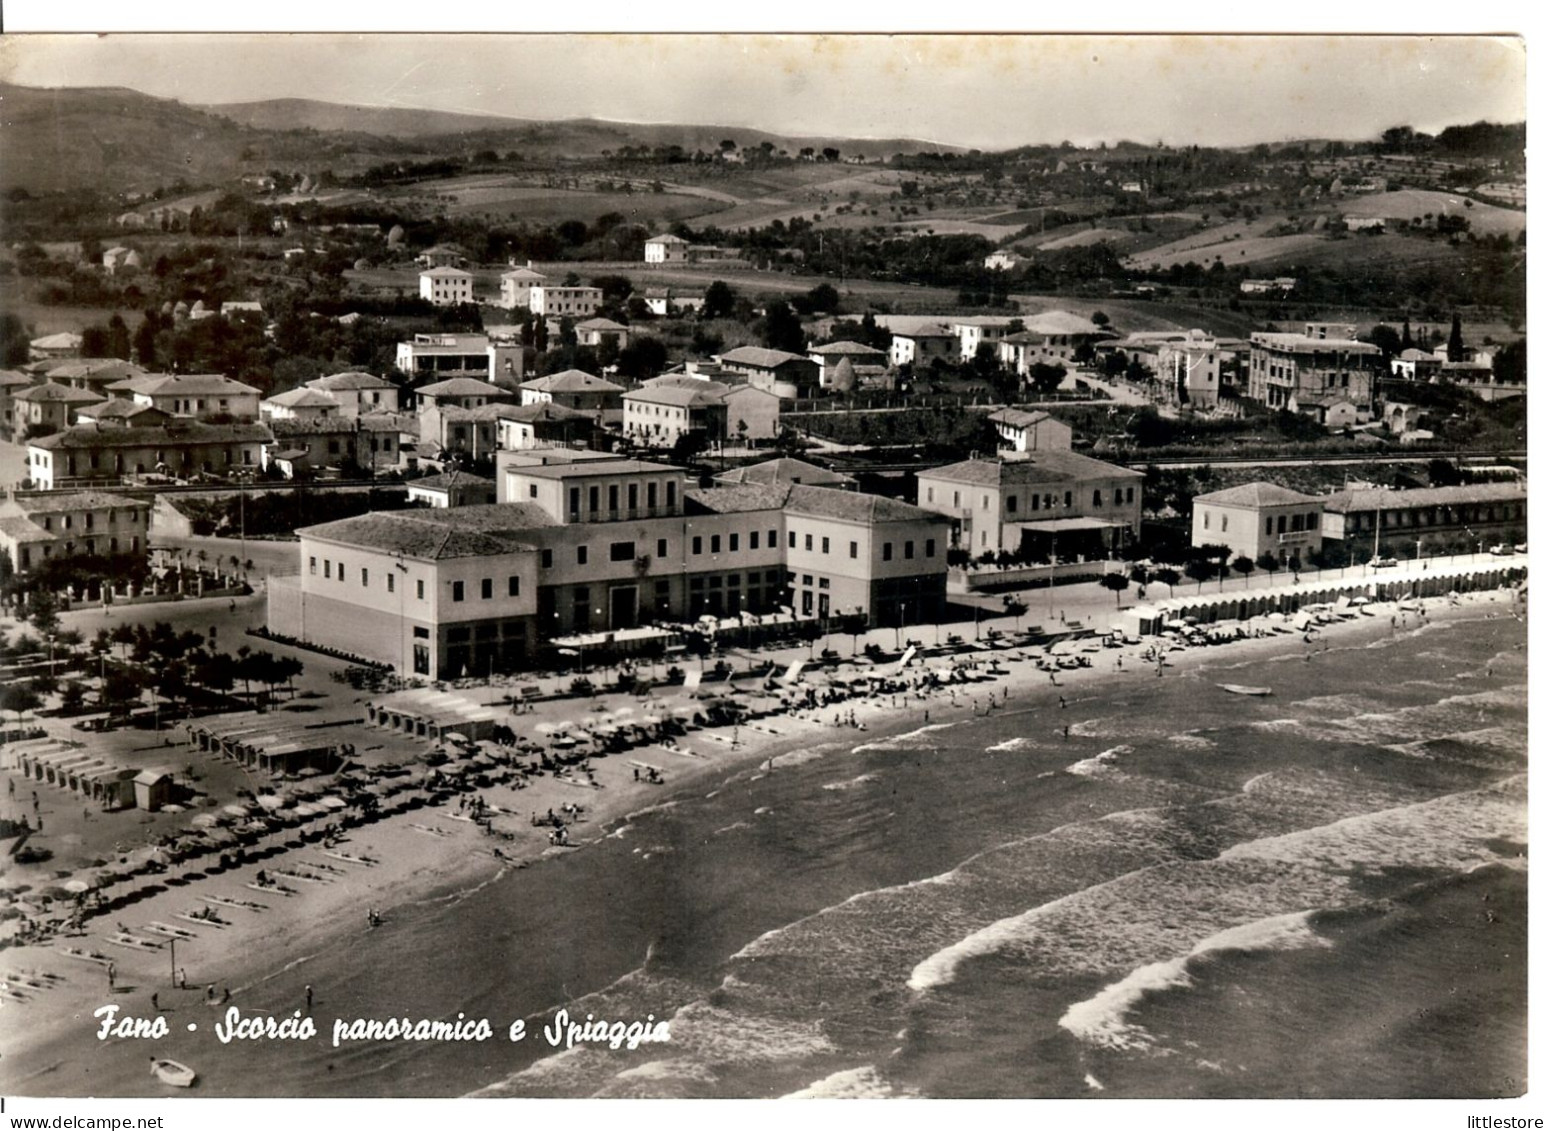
(331, 117)
(120, 140)
(566, 138)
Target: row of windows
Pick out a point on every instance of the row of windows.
(48, 551)
(336, 571)
(66, 521)
(633, 496)
(887, 550)
(1047, 501)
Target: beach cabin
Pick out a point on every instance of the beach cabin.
(153, 789)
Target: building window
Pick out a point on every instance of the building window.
(614, 496)
(533, 490)
(824, 545)
(1283, 524)
(363, 577)
(1067, 500)
(929, 549)
(717, 543)
(389, 578)
(1223, 523)
(1129, 494)
(1098, 502)
(312, 565)
(852, 549)
(327, 568)
(957, 498)
(593, 500)
(458, 591)
(663, 547)
(771, 536)
(576, 504)
(792, 539)
(652, 495)
(622, 551)
(930, 494)
(889, 550)
(1013, 503)
(420, 590)
(1205, 517)
(808, 542)
(487, 590)
(546, 559)
(911, 549)
(582, 555)
(733, 543)
(512, 585)
(1117, 495)
(695, 544)
(1269, 524)
(986, 502)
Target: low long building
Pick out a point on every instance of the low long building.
(1428, 518)
(1259, 518)
(594, 545)
(1049, 502)
(67, 524)
(100, 454)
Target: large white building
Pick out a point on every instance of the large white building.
(554, 301)
(517, 285)
(447, 286)
(666, 249)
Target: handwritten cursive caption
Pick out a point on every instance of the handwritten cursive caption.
(561, 1031)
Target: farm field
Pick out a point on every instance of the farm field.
(507, 198)
(1405, 204)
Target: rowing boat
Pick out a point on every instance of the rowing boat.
(172, 1073)
(1242, 689)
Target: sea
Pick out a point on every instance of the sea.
(1160, 889)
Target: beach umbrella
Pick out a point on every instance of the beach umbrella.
(205, 821)
(269, 802)
(78, 887)
(235, 810)
(331, 802)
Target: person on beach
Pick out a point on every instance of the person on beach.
(308, 991)
(112, 976)
(156, 1005)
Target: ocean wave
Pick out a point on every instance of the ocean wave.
(895, 742)
(731, 828)
(1166, 906)
(1192, 740)
(1009, 744)
(851, 783)
(1102, 1020)
(866, 1083)
(1102, 764)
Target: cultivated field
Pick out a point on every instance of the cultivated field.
(1408, 203)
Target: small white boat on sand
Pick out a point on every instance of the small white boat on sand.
(173, 1074)
(1242, 689)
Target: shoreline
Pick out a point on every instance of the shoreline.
(261, 948)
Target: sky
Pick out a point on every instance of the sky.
(976, 90)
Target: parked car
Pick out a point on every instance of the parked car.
(1384, 563)
(1501, 549)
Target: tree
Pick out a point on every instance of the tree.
(72, 697)
(780, 329)
(1268, 562)
(123, 635)
(120, 691)
(21, 698)
(1201, 569)
(853, 625)
(718, 300)
(1116, 583)
(1243, 566)
(1016, 608)
(1455, 349)
(1100, 318)
(1168, 577)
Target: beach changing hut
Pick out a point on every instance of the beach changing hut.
(153, 789)
(433, 715)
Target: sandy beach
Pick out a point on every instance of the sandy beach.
(438, 852)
